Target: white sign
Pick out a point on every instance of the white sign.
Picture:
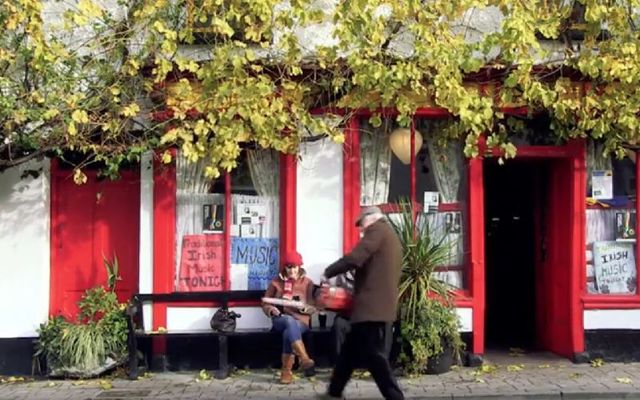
(602, 184)
(431, 201)
(615, 267)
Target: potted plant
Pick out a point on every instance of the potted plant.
(429, 325)
(95, 342)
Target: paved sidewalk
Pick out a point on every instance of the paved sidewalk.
(506, 377)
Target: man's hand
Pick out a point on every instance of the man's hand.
(308, 310)
(274, 313)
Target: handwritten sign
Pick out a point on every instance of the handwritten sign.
(261, 256)
(201, 263)
(615, 267)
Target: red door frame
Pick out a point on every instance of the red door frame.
(575, 152)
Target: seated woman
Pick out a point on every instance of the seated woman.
(291, 284)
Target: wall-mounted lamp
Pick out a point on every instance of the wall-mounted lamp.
(400, 143)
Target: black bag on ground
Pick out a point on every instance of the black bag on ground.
(224, 320)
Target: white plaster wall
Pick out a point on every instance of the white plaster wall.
(319, 205)
(145, 278)
(24, 245)
(466, 319)
(612, 319)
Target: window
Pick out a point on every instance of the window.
(438, 170)
(247, 256)
(611, 223)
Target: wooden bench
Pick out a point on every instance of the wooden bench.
(223, 298)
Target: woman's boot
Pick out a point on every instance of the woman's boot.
(306, 363)
(286, 376)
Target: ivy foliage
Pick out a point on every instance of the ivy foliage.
(110, 80)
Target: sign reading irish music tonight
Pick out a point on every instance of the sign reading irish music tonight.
(201, 263)
(615, 267)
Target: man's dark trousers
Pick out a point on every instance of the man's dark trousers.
(366, 342)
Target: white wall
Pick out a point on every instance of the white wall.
(612, 319)
(24, 245)
(145, 277)
(466, 319)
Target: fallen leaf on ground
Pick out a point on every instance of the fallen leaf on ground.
(480, 380)
(544, 366)
(79, 383)
(203, 375)
(51, 384)
(106, 385)
(515, 368)
(575, 375)
(598, 362)
(625, 380)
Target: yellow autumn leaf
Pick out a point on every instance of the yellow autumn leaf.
(50, 113)
(166, 159)
(106, 385)
(598, 362)
(131, 110)
(80, 116)
(79, 177)
(71, 128)
(624, 380)
(515, 368)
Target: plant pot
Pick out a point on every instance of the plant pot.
(441, 363)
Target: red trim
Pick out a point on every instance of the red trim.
(412, 164)
(476, 236)
(164, 239)
(351, 184)
(578, 263)
(605, 301)
(288, 208)
(227, 229)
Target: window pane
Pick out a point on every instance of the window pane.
(611, 231)
(200, 260)
(199, 230)
(255, 220)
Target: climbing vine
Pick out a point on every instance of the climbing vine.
(108, 80)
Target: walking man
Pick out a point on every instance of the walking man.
(377, 262)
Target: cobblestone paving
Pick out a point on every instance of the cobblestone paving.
(507, 377)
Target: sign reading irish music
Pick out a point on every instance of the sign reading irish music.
(201, 263)
(615, 267)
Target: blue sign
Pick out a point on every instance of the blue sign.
(261, 255)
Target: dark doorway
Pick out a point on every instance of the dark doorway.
(513, 195)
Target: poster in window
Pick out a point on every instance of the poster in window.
(213, 218)
(602, 184)
(261, 255)
(615, 267)
(201, 263)
(626, 226)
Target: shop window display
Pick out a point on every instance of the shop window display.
(611, 223)
(201, 262)
(439, 171)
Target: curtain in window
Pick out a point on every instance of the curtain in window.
(596, 161)
(265, 175)
(192, 194)
(375, 167)
(447, 162)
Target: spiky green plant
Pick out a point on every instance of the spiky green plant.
(427, 315)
